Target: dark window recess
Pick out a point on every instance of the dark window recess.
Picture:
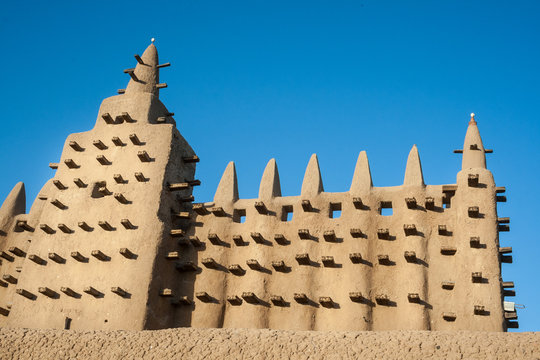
(447, 198)
(385, 208)
(335, 210)
(286, 213)
(239, 215)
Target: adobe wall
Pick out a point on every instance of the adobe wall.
(267, 344)
(383, 275)
(114, 240)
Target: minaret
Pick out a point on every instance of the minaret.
(476, 298)
(473, 149)
(111, 219)
(145, 75)
(14, 204)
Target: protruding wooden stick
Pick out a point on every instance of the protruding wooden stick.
(36, 259)
(126, 253)
(190, 159)
(250, 297)
(27, 294)
(59, 185)
(78, 256)
(64, 228)
(127, 224)
(116, 141)
(99, 144)
(328, 261)
(71, 164)
(47, 292)
(119, 291)
(56, 258)
(98, 254)
(301, 298)
(143, 156)
(105, 225)
(79, 182)
(83, 225)
(91, 291)
(203, 296)
(131, 73)
(46, 228)
(68, 291)
(165, 292)
(410, 256)
(108, 118)
(75, 146)
(303, 259)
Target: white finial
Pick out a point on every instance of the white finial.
(153, 39)
(472, 115)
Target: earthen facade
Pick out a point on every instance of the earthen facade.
(116, 241)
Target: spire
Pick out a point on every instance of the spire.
(270, 186)
(227, 190)
(145, 76)
(362, 175)
(312, 184)
(15, 202)
(473, 149)
(413, 171)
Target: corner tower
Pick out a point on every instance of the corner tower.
(473, 296)
(109, 218)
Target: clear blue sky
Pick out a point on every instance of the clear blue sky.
(286, 79)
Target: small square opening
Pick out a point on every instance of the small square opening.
(239, 215)
(385, 208)
(287, 213)
(447, 199)
(67, 323)
(335, 210)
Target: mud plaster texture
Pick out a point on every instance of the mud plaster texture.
(115, 241)
(188, 343)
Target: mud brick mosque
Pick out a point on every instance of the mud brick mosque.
(115, 240)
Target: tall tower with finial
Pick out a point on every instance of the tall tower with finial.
(109, 219)
(473, 292)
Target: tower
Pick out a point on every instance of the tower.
(106, 220)
(472, 278)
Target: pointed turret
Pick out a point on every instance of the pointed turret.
(473, 149)
(413, 171)
(145, 76)
(362, 174)
(270, 186)
(227, 190)
(312, 184)
(15, 202)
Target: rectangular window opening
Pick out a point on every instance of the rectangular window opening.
(287, 213)
(335, 210)
(385, 208)
(239, 215)
(447, 198)
(67, 323)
